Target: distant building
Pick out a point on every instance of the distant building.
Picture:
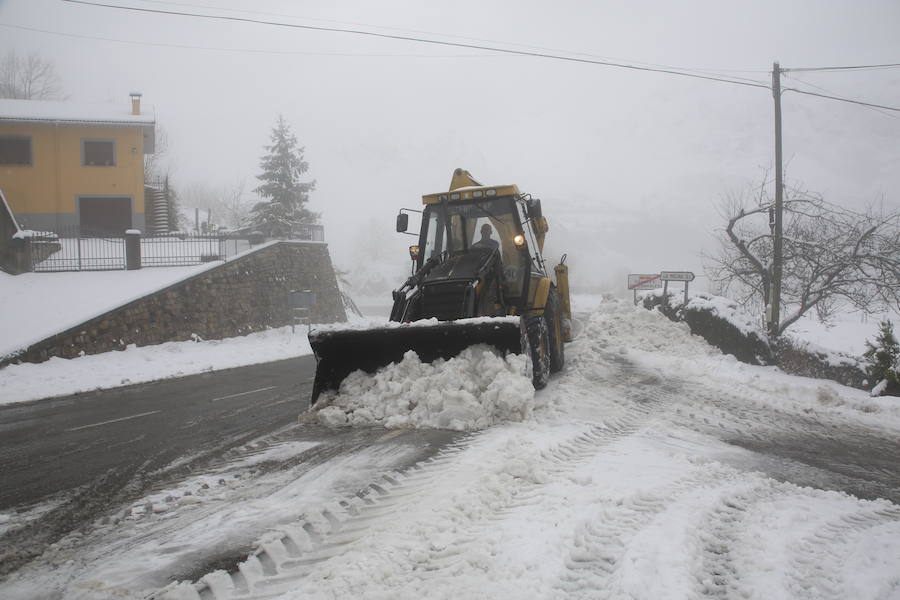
(65, 164)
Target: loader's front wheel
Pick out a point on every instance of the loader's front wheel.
(554, 318)
(538, 335)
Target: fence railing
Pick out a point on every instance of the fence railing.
(50, 251)
(169, 251)
(312, 233)
(71, 249)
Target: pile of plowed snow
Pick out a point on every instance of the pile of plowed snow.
(471, 391)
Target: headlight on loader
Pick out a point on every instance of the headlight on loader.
(519, 241)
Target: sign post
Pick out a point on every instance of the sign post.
(637, 281)
(301, 301)
(667, 276)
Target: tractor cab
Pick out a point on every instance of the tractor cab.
(479, 252)
(477, 229)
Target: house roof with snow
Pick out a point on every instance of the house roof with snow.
(71, 113)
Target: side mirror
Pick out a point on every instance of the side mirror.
(402, 222)
(534, 209)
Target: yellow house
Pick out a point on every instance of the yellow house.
(65, 164)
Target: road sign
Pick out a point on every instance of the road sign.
(676, 276)
(637, 281)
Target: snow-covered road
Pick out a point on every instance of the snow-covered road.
(652, 467)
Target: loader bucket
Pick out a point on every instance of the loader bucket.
(340, 352)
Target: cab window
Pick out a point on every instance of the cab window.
(435, 242)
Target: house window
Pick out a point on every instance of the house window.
(15, 150)
(98, 153)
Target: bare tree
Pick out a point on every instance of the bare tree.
(155, 169)
(198, 194)
(159, 173)
(832, 256)
(28, 78)
(223, 205)
(233, 206)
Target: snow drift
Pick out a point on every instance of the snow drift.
(476, 389)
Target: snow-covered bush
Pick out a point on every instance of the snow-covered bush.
(725, 325)
(884, 361)
(798, 357)
(720, 321)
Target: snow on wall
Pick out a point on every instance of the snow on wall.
(729, 310)
(246, 293)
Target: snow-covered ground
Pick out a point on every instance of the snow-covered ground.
(48, 303)
(848, 333)
(651, 467)
(44, 304)
(61, 377)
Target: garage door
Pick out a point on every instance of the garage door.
(104, 216)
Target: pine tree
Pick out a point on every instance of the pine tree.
(884, 361)
(286, 196)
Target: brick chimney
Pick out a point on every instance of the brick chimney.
(135, 103)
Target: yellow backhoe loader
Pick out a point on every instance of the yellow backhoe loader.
(478, 278)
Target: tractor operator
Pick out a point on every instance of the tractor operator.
(486, 241)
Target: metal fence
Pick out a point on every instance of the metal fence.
(75, 250)
(71, 249)
(178, 250)
(313, 233)
(63, 251)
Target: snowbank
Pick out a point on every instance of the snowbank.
(471, 391)
(729, 310)
(59, 376)
(48, 303)
(649, 338)
(718, 320)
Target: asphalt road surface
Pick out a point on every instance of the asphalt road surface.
(61, 444)
(83, 456)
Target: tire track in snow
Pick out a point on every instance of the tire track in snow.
(819, 558)
(719, 536)
(600, 543)
(286, 557)
(806, 449)
(295, 551)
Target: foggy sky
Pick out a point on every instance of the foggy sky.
(630, 165)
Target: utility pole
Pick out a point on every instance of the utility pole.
(774, 308)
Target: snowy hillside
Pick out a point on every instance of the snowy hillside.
(652, 467)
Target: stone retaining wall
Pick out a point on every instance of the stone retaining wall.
(245, 294)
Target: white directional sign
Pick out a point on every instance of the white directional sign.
(637, 281)
(676, 276)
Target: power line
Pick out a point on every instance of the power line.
(838, 98)
(705, 71)
(243, 50)
(849, 68)
(406, 38)
(833, 93)
(622, 65)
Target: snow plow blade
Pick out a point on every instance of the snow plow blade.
(340, 352)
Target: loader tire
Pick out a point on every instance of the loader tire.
(553, 313)
(538, 350)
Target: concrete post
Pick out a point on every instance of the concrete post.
(20, 255)
(132, 249)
